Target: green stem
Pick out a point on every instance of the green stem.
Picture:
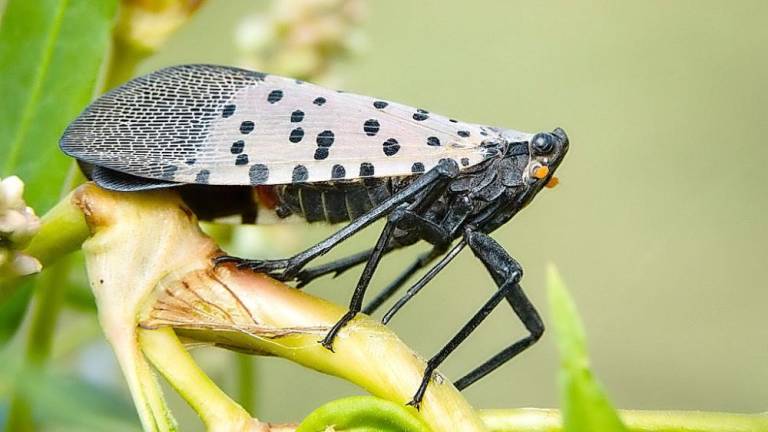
(246, 377)
(63, 230)
(548, 420)
(171, 359)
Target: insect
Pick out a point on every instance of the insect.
(236, 141)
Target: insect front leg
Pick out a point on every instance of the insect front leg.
(408, 220)
(440, 235)
(356, 302)
(336, 267)
(507, 273)
(403, 215)
(413, 290)
(435, 234)
(401, 279)
(286, 269)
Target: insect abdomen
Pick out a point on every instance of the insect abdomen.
(331, 202)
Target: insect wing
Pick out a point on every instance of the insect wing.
(227, 126)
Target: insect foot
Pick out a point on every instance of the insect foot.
(277, 269)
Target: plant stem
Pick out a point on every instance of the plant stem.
(62, 230)
(172, 360)
(250, 312)
(549, 420)
(246, 377)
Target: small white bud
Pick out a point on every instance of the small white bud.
(18, 224)
(11, 192)
(24, 265)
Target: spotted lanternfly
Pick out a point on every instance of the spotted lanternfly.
(241, 142)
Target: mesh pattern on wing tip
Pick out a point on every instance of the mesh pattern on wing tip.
(163, 116)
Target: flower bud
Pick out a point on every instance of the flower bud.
(18, 224)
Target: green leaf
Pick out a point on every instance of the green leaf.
(362, 414)
(51, 56)
(585, 406)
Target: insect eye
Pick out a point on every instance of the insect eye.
(543, 143)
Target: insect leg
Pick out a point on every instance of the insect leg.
(503, 269)
(356, 302)
(457, 339)
(439, 236)
(445, 170)
(409, 219)
(403, 215)
(401, 279)
(412, 291)
(506, 272)
(336, 267)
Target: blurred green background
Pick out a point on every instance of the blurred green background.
(659, 223)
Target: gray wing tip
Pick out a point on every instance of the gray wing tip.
(120, 129)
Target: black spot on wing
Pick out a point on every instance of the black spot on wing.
(380, 104)
(319, 101)
(237, 147)
(202, 177)
(300, 174)
(228, 110)
(463, 133)
(247, 127)
(325, 138)
(321, 153)
(296, 135)
(274, 96)
(338, 172)
(417, 167)
(371, 127)
(433, 141)
(258, 174)
(297, 116)
(390, 147)
(366, 169)
(242, 159)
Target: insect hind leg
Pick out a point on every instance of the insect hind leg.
(507, 273)
(502, 268)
